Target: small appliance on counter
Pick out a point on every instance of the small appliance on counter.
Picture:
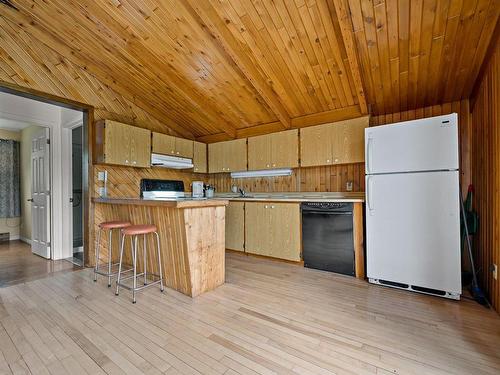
(209, 191)
(197, 188)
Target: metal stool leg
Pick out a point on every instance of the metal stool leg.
(145, 260)
(110, 252)
(96, 267)
(122, 243)
(159, 260)
(135, 268)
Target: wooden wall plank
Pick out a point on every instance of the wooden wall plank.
(485, 152)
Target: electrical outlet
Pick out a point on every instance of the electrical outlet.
(348, 186)
(102, 191)
(101, 176)
(495, 271)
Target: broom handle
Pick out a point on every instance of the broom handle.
(462, 209)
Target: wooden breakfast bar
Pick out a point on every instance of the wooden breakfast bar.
(192, 238)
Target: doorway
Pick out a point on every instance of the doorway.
(62, 232)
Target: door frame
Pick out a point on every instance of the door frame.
(88, 178)
(67, 185)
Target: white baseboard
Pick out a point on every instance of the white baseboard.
(14, 237)
(26, 240)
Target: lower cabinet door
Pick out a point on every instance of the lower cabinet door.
(235, 226)
(273, 230)
(285, 231)
(257, 228)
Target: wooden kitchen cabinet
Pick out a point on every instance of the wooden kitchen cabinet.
(228, 156)
(273, 229)
(235, 226)
(285, 231)
(257, 228)
(169, 145)
(199, 157)
(140, 147)
(337, 143)
(122, 144)
(276, 150)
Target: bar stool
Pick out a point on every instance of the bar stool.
(110, 226)
(135, 231)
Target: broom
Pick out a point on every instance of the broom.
(475, 290)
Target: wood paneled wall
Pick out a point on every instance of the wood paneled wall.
(486, 176)
(464, 124)
(325, 178)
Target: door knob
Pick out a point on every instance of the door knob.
(71, 200)
(30, 200)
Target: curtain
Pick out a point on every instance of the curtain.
(10, 181)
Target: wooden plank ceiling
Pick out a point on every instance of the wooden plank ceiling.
(416, 53)
(220, 69)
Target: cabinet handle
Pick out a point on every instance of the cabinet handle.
(134, 162)
(172, 152)
(336, 160)
(177, 152)
(126, 161)
(272, 206)
(267, 165)
(274, 165)
(327, 160)
(228, 169)
(266, 206)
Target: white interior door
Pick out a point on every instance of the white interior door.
(413, 229)
(40, 193)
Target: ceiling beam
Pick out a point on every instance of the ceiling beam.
(346, 28)
(217, 27)
(319, 118)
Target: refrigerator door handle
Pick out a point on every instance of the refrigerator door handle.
(369, 189)
(368, 154)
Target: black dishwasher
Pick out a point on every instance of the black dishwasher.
(327, 236)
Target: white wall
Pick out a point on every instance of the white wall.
(57, 119)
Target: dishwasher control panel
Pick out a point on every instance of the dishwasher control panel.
(327, 206)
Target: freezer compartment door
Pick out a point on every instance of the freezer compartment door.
(413, 229)
(412, 146)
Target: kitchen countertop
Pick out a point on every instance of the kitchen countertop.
(296, 197)
(187, 202)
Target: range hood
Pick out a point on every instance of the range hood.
(174, 162)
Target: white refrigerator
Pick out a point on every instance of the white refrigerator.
(412, 206)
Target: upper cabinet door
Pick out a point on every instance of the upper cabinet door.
(235, 155)
(354, 141)
(163, 144)
(341, 142)
(140, 147)
(199, 157)
(215, 157)
(284, 149)
(315, 146)
(183, 148)
(117, 143)
(259, 152)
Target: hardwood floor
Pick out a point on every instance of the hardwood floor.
(19, 265)
(269, 318)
